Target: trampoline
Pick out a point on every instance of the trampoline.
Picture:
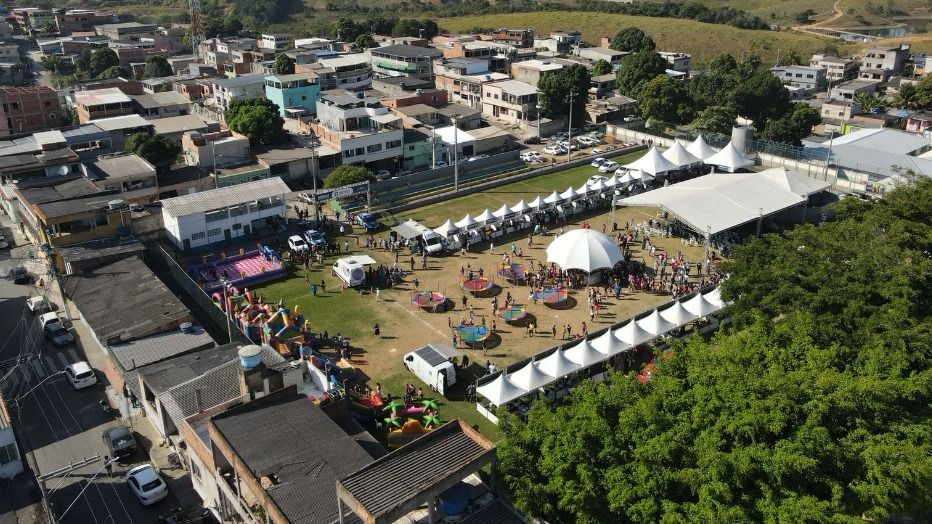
(472, 335)
(513, 313)
(552, 296)
(428, 299)
(512, 273)
(477, 285)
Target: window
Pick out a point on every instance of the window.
(349, 153)
(374, 148)
(198, 236)
(393, 144)
(8, 453)
(213, 232)
(360, 151)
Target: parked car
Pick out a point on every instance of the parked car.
(476, 157)
(383, 174)
(48, 318)
(531, 156)
(554, 150)
(315, 238)
(597, 162)
(58, 334)
(296, 243)
(588, 141)
(20, 275)
(146, 484)
(595, 179)
(367, 221)
(608, 167)
(80, 375)
(532, 140)
(39, 304)
(439, 164)
(119, 441)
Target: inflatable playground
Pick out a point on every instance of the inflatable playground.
(477, 285)
(247, 268)
(408, 421)
(429, 300)
(273, 324)
(513, 314)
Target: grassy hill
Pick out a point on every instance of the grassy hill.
(701, 40)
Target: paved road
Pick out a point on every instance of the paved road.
(58, 425)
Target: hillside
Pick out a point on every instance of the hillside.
(921, 43)
(701, 40)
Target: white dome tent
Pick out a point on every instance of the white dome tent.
(557, 365)
(633, 334)
(715, 298)
(530, 377)
(569, 194)
(537, 203)
(485, 217)
(521, 208)
(609, 344)
(552, 198)
(678, 155)
(699, 306)
(583, 354)
(500, 391)
(653, 163)
(729, 159)
(446, 229)
(503, 212)
(468, 222)
(584, 249)
(677, 314)
(700, 149)
(655, 324)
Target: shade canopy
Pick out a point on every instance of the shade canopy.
(557, 365)
(485, 217)
(502, 212)
(638, 174)
(609, 344)
(584, 249)
(729, 159)
(537, 203)
(655, 324)
(678, 155)
(597, 186)
(521, 208)
(715, 297)
(584, 355)
(530, 377)
(632, 333)
(467, 222)
(677, 314)
(625, 179)
(700, 149)
(500, 391)
(652, 163)
(552, 198)
(569, 194)
(612, 181)
(699, 306)
(446, 229)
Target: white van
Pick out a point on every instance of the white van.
(47, 319)
(432, 364)
(433, 242)
(352, 270)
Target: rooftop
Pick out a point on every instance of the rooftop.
(96, 249)
(297, 447)
(96, 97)
(240, 81)
(179, 124)
(79, 187)
(117, 123)
(125, 165)
(539, 65)
(224, 197)
(885, 152)
(64, 208)
(407, 51)
(166, 98)
(408, 82)
(156, 348)
(124, 299)
(515, 87)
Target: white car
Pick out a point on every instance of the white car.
(594, 179)
(39, 304)
(383, 174)
(597, 162)
(608, 167)
(146, 484)
(81, 375)
(588, 141)
(296, 243)
(554, 150)
(440, 164)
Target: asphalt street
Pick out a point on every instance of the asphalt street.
(58, 425)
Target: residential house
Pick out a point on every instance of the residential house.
(848, 90)
(205, 149)
(102, 103)
(608, 54)
(241, 87)
(400, 86)
(125, 30)
(679, 62)
(122, 127)
(79, 20)
(44, 165)
(298, 163)
(295, 95)
(421, 148)
(11, 461)
(431, 97)
(510, 101)
(233, 174)
(175, 127)
(348, 71)
(836, 110)
(880, 63)
(559, 42)
(276, 41)
(515, 37)
(602, 86)
(220, 215)
(920, 122)
(28, 109)
(124, 173)
(9, 52)
(836, 69)
(152, 106)
(430, 116)
(398, 60)
(463, 78)
(531, 71)
(364, 130)
(807, 78)
(33, 20)
(11, 74)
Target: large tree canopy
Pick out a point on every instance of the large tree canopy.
(347, 174)
(156, 67)
(762, 97)
(666, 100)
(638, 69)
(256, 118)
(158, 150)
(555, 89)
(820, 415)
(632, 39)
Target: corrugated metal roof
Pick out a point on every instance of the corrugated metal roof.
(159, 347)
(224, 197)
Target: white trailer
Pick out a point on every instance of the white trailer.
(433, 364)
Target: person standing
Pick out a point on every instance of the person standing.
(108, 465)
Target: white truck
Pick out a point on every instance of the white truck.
(352, 270)
(433, 364)
(413, 231)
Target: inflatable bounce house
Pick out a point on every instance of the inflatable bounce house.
(401, 431)
(247, 268)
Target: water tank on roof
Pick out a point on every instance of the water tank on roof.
(250, 356)
(741, 136)
(116, 204)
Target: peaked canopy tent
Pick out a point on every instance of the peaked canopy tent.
(503, 213)
(653, 163)
(584, 249)
(557, 365)
(530, 377)
(552, 198)
(467, 223)
(584, 355)
(700, 149)
(729, 159)
(446, 229)
(718, 202)
(485, 217)
(609, 344)
(521, 208)
(679, 156)
(501, 390)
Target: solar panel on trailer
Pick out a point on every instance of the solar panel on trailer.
(430, 356)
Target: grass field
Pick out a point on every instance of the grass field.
(703, 41)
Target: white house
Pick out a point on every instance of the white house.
(276, 41)
(219, 215)
(243, 86)
(801, 76)
(364, 130)
(11, 464)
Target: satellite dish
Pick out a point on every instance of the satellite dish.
(63, 170)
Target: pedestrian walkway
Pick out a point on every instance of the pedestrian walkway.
(40, 367)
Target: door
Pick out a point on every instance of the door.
(226, 234)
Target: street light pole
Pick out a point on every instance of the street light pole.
(538, 121)
(226, 309)
(569, 128)
(433, 148)
(312, 145)
(456, 154)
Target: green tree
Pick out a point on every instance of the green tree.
(101, 60)
(601, 67)
(82, 62)
(717, 119)
(637, 69)
(868, 102)
(256, 118)
(157, 67)
(666, 100)
(555, 88)
(723, 63)
(789, 57)
(924, 91)
(68, 116)
(762, 98)
(113, 72)
(365, 41)
(632, 40)
(713, 87)
(158, 150)
(347, 174)
(906, 97)
(284, 65)
(51, 63)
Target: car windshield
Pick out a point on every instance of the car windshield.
(315, 237)
(432, 241)
(57, 330)
(86, 374)
(19, 271)
(149, 486)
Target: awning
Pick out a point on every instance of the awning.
(408, 230)
(385, 119)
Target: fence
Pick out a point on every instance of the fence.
(169, 269)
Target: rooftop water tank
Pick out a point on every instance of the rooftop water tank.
(116, 204)
(250, 356)
(741, 136)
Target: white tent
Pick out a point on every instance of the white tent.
(584, 189)
(677, 154)
(699, 306)
(729, 159)
(652, 163)
(537, 203)
(584, 355)
(552, 198)
(521, 208)
(633, 334)
(584, 249)
(468, 222)
(485, 217)
(700, 149)
(625, 179)
(609, 344)
(502, 212)
(637, 174)
(599, 186)
(715, 297)
(557, 365)
(677, 314)
(530, 377)
(569, 194)
(655, 324)
(500, 391)
(801, 185)
(612, 181)
(446, 229)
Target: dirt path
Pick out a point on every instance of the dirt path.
(836, 14)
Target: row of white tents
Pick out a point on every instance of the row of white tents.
(540, 372)
(644, 169)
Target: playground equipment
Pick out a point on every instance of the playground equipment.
(513, 314)
(477, 285)
(411, 430)
(513, 273)
(552, 296)
(472, 335)
(429, 300)
(260, 265)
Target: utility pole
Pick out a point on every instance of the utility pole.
(538, 121)
(226, 308)
(456, 154)
(569, 128)
(433, 148)
(312, 145)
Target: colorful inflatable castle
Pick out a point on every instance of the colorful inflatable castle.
(247, 268)
(286, 331)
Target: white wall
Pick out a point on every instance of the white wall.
(10, 469)
(181, 228)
